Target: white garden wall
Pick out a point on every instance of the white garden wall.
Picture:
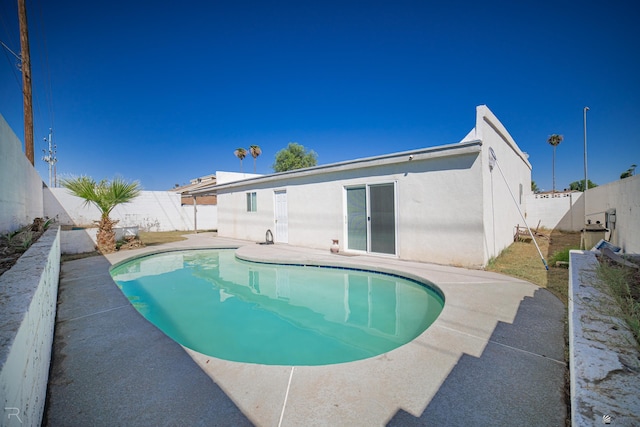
(27, 319)
(20, 184)
(151, 211)
(560, 211)
(565, 211)
(624, 197)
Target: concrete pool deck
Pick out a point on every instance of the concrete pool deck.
(494, 356)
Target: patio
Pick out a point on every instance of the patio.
(495, 356)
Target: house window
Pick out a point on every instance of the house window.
(251, 202)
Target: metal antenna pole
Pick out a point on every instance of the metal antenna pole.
(493, 157)
(50, 156)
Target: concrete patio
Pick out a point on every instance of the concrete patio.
(495, 356)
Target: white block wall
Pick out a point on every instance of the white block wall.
(624, 197)
(566, 212)
(20, 184)
(151, 211)
(27, 319)
(563, 211)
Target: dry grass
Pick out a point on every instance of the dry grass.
(624, 286)
(523, 261)
(151, 238)
(148, 238)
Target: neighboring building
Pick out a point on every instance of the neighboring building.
(445, 204)
(194, 185)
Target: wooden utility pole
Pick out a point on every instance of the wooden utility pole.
(26, 81)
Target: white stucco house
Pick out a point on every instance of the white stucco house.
(441, 204)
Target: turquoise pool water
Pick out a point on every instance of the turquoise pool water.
(213, 303)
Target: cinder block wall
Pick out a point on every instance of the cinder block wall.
(20, 184)
(624, 197)
(151, 211)
(27, 320)
(566, 211)
(563, 211)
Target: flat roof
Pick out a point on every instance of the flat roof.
(456, 149)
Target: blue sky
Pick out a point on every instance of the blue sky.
(163, 92)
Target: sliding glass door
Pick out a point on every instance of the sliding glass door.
(382, 211)
(357, 218)
(371, 218)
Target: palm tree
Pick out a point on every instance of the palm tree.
(255, 152)
(534, 187)
(554, 140)
(105, 195)
(629, 172)
(240, 153)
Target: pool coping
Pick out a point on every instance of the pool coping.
(243, 263)
(494, 355)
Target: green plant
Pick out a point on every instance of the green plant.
(579, 185)
(562, 255)
(26, 240)
(10, 235)
(624, 286)
(294, 156)
(48, 222)
(105, 195)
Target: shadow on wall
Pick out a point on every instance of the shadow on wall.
(72, 241)
(519, 378)
(53, 208)
(573, 219)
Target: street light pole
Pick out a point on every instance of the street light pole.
(586, 181)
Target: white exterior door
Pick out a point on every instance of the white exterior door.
(281, 217)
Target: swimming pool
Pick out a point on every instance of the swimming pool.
(213, 303)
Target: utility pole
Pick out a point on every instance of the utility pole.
(50, 157)
(26, 81)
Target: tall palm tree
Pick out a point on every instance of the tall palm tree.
(240, 153)
(255, 152)
(105, 195)
(629, 172)
(554, 140)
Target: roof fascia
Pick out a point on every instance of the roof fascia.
(449, 150)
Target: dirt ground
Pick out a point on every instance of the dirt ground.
(522, 260)
(13, 245)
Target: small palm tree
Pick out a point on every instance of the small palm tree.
(105, 195)
(240, 153)
(255, 152)
(554, 140)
